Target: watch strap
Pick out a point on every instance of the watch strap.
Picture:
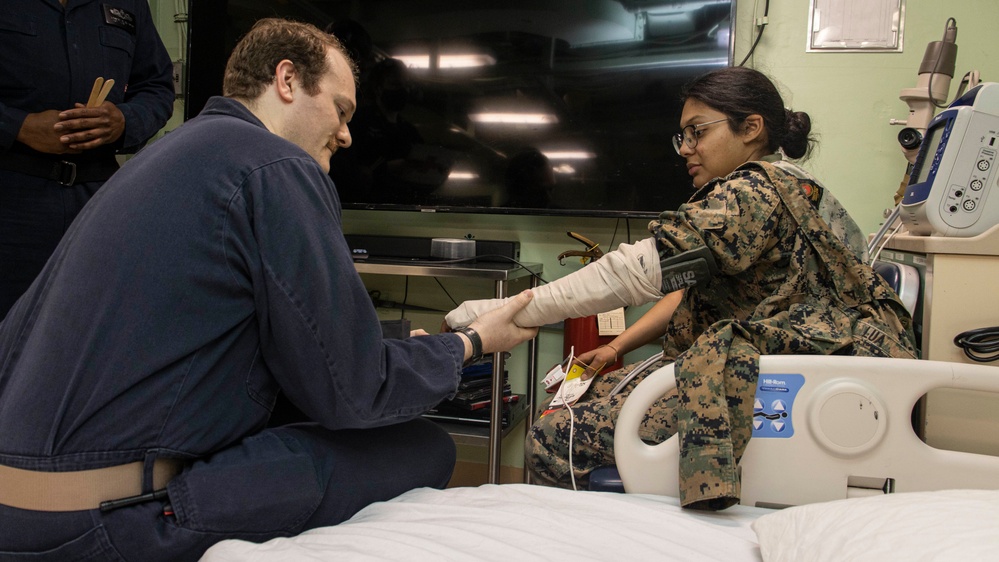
(476, 341)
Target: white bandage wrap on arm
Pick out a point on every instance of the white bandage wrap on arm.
(628, 276)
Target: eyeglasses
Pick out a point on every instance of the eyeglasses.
(689, 134)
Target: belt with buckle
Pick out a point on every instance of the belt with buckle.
(66, 171)
(105, 488)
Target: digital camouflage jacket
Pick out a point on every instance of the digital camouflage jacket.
(786, 285)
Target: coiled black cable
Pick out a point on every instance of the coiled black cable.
(981, 344)
(759, 33)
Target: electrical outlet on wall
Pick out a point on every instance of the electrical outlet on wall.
(178, 77)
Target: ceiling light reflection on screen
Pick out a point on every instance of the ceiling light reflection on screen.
(514, 118)
(465, 61)
(414, 61)
(462, 175)
(568, 154)
(458, 60)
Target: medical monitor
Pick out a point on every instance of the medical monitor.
(547, 107)
(930, 145)
(950, 188)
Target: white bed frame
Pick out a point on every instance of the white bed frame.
(850, 433)
(853, 434)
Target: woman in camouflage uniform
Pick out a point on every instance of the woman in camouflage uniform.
(784, 282)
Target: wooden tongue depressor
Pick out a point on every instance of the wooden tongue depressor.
(95, 91)
(105, 90)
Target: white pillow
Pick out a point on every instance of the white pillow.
(944, 525)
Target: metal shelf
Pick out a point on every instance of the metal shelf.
(472, 433)
(501, 273)
(494, 271)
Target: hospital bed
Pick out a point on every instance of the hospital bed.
(845, 478)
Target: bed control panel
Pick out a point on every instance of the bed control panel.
(775, 394)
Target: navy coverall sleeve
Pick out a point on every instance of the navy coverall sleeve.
(11, 119)
(18, 33)
(319, 333)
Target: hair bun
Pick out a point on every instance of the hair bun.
(796, 142)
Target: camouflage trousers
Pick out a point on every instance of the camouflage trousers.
(712, 412)
(589, 430)
(716, 382)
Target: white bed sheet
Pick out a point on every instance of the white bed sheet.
(517, 523)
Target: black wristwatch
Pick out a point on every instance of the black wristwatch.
(476, 340)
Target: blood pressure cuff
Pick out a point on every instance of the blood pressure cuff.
(687, 269)
(628, 276)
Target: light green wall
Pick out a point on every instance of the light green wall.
(850, 97)
(163, 14)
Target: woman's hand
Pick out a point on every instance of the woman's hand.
(597, 359)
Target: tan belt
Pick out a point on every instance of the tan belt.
(79, 490)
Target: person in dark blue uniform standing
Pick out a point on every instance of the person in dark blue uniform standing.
(54, 152)
(209, 275)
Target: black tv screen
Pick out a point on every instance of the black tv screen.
(548, 107)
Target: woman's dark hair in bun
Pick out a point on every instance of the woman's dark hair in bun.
(739, 92)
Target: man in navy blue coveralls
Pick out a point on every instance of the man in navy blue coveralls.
(53, 154)
(208, 275)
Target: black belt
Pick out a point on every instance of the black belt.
(66, 172)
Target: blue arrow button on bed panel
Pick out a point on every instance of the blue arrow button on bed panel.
(775, 394)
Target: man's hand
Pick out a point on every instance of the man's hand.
(38, 132)
(83, 128)
(496, 327)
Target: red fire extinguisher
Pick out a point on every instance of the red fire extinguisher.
(582, 334)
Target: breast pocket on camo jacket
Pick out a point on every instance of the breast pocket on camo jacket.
(828, 328)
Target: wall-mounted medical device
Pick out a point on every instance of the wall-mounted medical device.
(949, 190)
(933, 84)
